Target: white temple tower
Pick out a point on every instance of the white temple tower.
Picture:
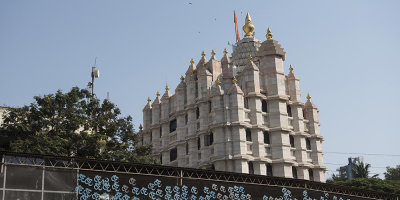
(239, 114)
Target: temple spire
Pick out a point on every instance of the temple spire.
(248, 27)
(269, 34)
(225, 51)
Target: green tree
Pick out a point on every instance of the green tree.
(375, 184)
(72, 124)
(335, 178)
(361, 170)
(392, 173)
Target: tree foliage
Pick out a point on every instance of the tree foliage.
(361, 179)
(392, 173)
(72, 124)
(375, 184)
(361, 170)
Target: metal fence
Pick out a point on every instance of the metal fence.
(38, 177)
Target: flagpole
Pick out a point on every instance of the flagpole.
(234, 14)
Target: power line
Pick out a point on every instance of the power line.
(346, 164)
(368, 172)
(367, 154)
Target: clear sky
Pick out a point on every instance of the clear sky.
(346, 54)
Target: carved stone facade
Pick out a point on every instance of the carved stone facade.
(239, 115)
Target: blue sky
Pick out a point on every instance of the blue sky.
(345, 53)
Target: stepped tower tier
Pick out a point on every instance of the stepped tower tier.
(238, 114)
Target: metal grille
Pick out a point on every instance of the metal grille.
(183, 173)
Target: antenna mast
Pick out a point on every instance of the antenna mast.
(95, 74)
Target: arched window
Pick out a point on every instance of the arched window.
(269, 170)
(161, 158)
(198, 144)
(173, 154)
(311, 174)
(266, 137)
(294, 172)
(186, 119)
(251, 168)
(304, 113)
(289, 110)
(264, 106)
(209, 106)
(308, 144)
(211, 138)
(248, 135)
(151, 136)
(197, 113)
(172, 126)
(291, 140)
(213, 167)
(160, 131)
(187, 148)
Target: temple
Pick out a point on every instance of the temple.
(239, 114)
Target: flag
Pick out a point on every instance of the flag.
(236, 27)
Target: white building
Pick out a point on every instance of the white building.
(239, 114)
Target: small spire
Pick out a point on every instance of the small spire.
(203, 54)
(218, 82)
(308, 96)
(234, 80)
(192, 61)
(182, 78)
(269, 34)
(291, 68)
(148, 99)
(225, 51)
(140, 127)
(250, 58)
(213, 52)
(158, 93)
(248, 27)
(166, 88)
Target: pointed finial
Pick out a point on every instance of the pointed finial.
(158, 93)
(291, 68)
(308, 96)
(203, 54)
(234, 80)
(248, 18)
(182, 78)
(248, 27)
(218, 82)
(192, 61)
(269, 34)
(140, 127)
(213, 52)
(225, 51)
(250, 58)
(148, 99)
(166, 88)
